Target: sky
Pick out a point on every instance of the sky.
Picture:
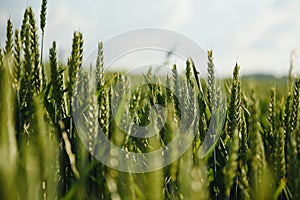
(259, 35)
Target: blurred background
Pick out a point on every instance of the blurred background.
(259, 35)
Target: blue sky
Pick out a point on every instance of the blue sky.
(258, 34)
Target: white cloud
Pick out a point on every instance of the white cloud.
(3, 21)
(181, 13)
(265, 45)
(62, 21)
(259, 35)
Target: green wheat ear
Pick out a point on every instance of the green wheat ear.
(24, 24)
(293, 166)
(188, 91)
(287, 116)
(176, 84)
(42, 26)
(271, 127)
(211, 86)
(230, 169)
(56, 83)
(243, 181)
(257, 159)
(17, 60)
(295, 105)
(26, 88)
(74, 64)
(43, 15)
(100, 67)
(9, 39)
(235, 101)
(272, 112)
(37, 72)
(103, 92)
(279, 156)
(188, 71)
(291, 117)
(244, 148)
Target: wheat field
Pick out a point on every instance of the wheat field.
(257, 155)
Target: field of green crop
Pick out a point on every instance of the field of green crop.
(257, 155)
